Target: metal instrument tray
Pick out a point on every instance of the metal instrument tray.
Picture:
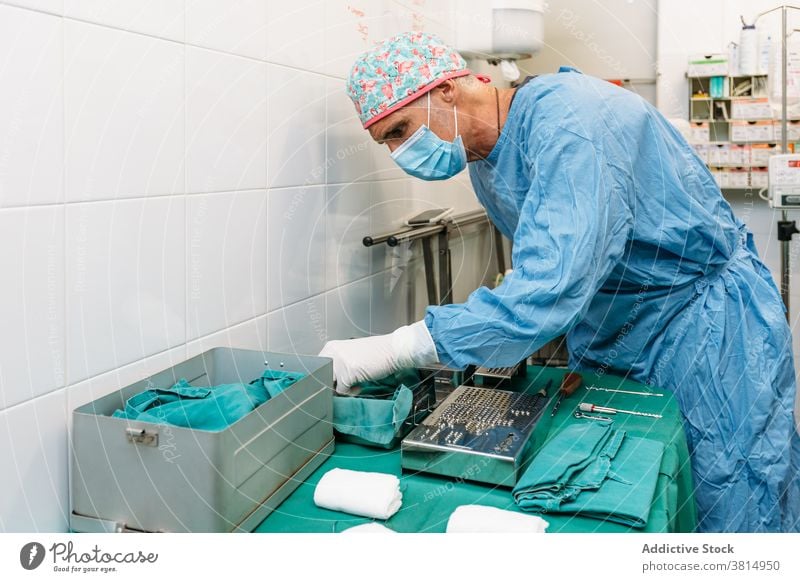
(478, 434)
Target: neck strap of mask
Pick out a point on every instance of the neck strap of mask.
(429, 109)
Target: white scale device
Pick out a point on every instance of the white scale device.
(784, 181)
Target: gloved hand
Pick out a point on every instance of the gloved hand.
(375, 357)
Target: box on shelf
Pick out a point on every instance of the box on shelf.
(759, 178)
(723, 155)
(712, 65)
(760, 154)
(715, 155)
(738, 178)
(738, 155)
(792, 130)
(752, 131)
(721, 176)
(751, 108)
(699, 132)
(702, 151)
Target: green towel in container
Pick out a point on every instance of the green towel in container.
(212, 408)
(376, 413)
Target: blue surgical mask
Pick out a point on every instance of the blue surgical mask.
(427, 156)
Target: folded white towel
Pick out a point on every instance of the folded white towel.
(375, 495)
(485, 519)
(369, 528)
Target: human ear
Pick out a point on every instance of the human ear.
(447, 91)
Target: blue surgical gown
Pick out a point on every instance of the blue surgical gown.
(623, 241)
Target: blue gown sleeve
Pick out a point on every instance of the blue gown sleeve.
(572, 231)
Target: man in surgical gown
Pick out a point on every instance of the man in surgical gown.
(621, 239)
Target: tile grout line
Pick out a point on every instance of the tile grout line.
(267, 197)
(186, 277)
(191, 194)
(326, 192)
(65, 327)
(63, 203)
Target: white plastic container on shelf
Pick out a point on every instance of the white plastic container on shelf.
(710, 65)
(702, 152)
(739, 155)
(700, 132)
(740, 131)
(714, 155)
(752, 131)
(750, 108)
(724, 154)
(760, 154)
(792, 130)
(748, 50)
(759, 178)
(738, 178)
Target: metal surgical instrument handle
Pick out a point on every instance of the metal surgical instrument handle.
(571, 382)
(588, 407)
(616, 390)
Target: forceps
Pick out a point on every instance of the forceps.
(579, 414)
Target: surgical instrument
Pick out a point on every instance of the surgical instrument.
(495, 376)
(588, 407)
(571, 382)
(479, 434)
(578, 414)
(599, 388)
(543, 392)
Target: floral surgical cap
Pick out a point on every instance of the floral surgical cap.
(398, 70)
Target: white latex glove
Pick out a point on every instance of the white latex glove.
(375, 357)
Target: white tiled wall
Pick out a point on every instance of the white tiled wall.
(123, 113)
(177, 175)
(226, 124)
(125, 295)
(32, 120)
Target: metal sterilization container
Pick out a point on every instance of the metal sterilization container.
(134, 475)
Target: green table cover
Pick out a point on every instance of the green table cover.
(428, 500)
